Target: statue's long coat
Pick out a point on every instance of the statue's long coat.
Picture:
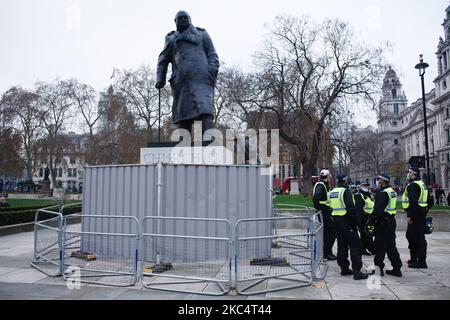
(195, 65)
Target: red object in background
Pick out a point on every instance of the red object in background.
(286, 186)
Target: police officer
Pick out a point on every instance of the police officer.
(415, 203)
(364, 208)
(385, 224)
(343, 206)
(321, 203)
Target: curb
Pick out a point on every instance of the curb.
(25, 227)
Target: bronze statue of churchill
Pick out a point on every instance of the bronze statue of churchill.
(195, 66)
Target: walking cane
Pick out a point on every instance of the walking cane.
(159, 115)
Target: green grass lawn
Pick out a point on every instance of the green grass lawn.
(286, 202)
(290, 202)
(280, 202)
(441, 208)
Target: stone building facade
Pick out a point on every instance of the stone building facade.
(401, 127)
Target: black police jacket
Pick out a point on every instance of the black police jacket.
(414, 210)
(381, 203)
(321, 194)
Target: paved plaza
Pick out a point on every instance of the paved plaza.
(18, 280)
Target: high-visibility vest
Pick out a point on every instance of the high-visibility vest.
(337, 203)
(391, 208)
(326, 202)
(423, 198)
(369, 204)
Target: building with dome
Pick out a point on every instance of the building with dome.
(401, 126)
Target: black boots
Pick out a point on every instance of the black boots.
(347, 272)
(394, 272)
(330, 257)
(418, 265)
(358, 275)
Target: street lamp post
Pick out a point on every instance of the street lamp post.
(422, 66)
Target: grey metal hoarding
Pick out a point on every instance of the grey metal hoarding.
(230, 192)
(116, 191)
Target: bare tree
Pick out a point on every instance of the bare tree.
(307, 73)
(56, 107)
(6, 117)
(11, 164)
(138, 88)
(369, 152)
(119, 138)
(85, 98)
(344, 138)
(228, 114)
(22, 107)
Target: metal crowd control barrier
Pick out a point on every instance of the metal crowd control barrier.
(315, 236)
(181, 254)
(300, 211)
(48, 247)
(47, 241)
(76, 204)
(98, 257)
(283, 257)
(320, 267)
(189, 255)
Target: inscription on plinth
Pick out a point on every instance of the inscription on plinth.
(209, 155)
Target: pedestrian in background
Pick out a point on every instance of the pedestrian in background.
(440, 195)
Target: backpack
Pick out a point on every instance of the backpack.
(429, 225)
(430, 201)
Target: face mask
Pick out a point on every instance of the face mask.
(409, 177)
(365, 190)
(378, 185)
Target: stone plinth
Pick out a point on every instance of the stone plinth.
(208, 155)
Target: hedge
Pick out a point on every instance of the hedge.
(25, 216)
(22, 208)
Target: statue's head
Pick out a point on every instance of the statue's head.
(182, 20)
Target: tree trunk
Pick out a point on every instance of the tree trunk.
(52, 173)
(307, 178)
(29, 175)
(29, 165)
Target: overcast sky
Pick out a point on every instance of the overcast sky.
(86, 39)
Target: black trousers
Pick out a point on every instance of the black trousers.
(366, 241)
(347, 238)
(385, 243)
(416, 239)
(329, 234)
